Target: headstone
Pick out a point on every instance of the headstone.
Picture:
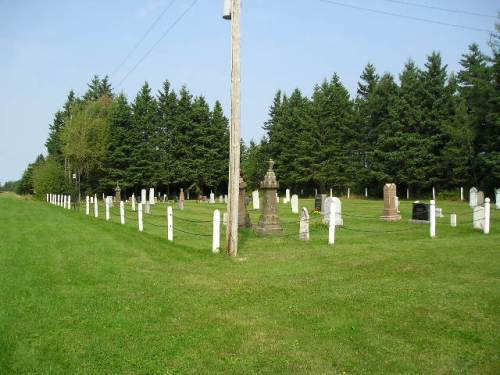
(147, 208)
(304, 224)
(212, 198)
(133, 202)
(152, 196)
(390, 209)
(331, 192)
(461, 193)
(407, 194)
(439, 212)
(480, 198)
(478, 218)
(224, 219)
(92, 200)
(420, 213)
(338, 211)
(366, 192)
(143, 196)
(255, 200)
(319, 202)
(269, 220)
(118, 193)
(164, 198)
(473, 197)
(243, 216)
(348, 193)
(221, 199)
(225, 199)
(181, 200)
(453, 220)
(397, 204)
(295, 204)
(497, 199)
(110, 200)
(287, 196)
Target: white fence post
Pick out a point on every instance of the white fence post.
(106, 204)
(331, 228)
(170, 224)
(216, 232)
(69, 202)
(453, 220)
(87, 208)
(433, 219)
(461, 193)
(139, 217)
(65, 201)
(122, 212)
(487, 205)
(96, 207)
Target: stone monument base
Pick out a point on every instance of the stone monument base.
(391, 218)
(413, 221)
(268, 229)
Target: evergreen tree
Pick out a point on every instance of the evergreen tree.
(144, 140)
(25, 185)
(118, 157)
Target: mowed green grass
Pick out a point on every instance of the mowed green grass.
(82, 295)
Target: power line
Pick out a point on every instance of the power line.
(458, 11)
(142, 38)
(178, 19)
(405, 16)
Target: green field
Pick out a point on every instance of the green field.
(82, 295)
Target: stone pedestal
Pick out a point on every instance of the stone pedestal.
(269, 220)
(118, 194)
(243, 217)
(390, 209)
(181, 200)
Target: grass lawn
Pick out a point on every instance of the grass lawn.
(82, 295)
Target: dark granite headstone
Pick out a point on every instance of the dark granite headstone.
(319, 202)
(420, 212)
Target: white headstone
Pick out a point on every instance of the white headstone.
(225, 198)
(461, 193)
(147, 208)
(87, 205)
(366, 192)
(331, 192)
(497, 199)
(224, 218)
(255, 200)
(133, 202)
(439, 212)
(453, 220)
(216, 232)
(212, 198)
(92, 200)
(478, 217)
(287, 196)
(304, 224)
(338, 211)
(348, 193)
(397, 204)
(473, 197)
(143, 196)
(295, 204)
(152, 196)
(221, 199)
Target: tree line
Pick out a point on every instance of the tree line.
(429, 128)
(99, 140)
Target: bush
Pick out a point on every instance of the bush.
(48, 177)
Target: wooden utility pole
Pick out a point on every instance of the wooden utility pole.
(234, 137)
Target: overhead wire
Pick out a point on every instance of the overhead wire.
(433, 7)
(378, 11)
(131, 52)
(148, 52)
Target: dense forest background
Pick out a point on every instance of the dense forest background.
(428, 128)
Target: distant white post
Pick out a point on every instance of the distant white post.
(47, 197)
(216, 233)
(461, 193)
(433, 219)
(331, 192)
(133, 202)
(122, 212)
(139, 217)
(453, 220)
(486, 228)
(497, 199)
(348, 193)
(366, 192)
(170, 224)
(433, 193)
(65, 202)
(407, 194)
(106, 204)
(69, 202)
(96, 206)
(331, 228)
(87, 208)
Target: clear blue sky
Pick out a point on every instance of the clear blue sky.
(50, 47)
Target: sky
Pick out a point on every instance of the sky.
(50, 47)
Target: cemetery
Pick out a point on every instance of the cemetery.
(277, 188)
